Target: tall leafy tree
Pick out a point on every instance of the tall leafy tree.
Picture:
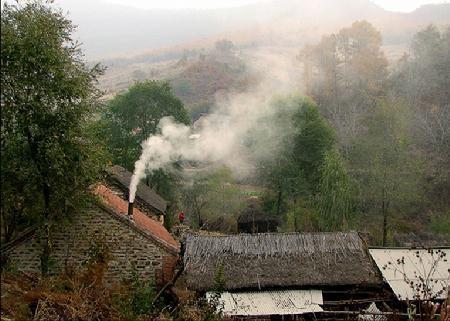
(384, 166)
(131, 117)
(422, 79)
(294, 170)
(47, 99)
(334, 199)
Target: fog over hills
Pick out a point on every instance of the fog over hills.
(111, 30)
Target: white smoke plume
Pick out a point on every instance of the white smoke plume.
(219, 137)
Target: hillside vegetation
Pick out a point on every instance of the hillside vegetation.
(306, 115)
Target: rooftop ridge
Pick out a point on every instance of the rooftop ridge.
(273, 244)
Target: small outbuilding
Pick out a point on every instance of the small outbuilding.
(254, 220)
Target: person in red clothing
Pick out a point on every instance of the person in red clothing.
(181, 217)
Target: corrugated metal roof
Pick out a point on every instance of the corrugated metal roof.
(401, 266)
(270, 302)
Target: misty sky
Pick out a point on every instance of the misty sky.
(393, 5)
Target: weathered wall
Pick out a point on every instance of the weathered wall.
(73, 244)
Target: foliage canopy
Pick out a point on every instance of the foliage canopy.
(48, 98)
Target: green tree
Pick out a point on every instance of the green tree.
(313, 136)
(131, 117)
(384, 166)
(334, 200)
(48, 98)
(293, 170)
(422, 81)
(210, 196)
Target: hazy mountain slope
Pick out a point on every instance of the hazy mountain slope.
(154, 35)
(432, 12)
(108, 29)
(195, 80)
(284, 24)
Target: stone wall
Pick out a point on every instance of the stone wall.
(77, 241)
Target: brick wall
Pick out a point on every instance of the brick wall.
(130, 251)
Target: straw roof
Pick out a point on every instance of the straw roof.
(256, 261)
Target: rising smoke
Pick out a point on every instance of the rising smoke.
(222, 136)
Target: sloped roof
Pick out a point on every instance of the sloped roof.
(285, 302)
(276, 260)
(150, 227)
(144, 193)
(400, 267)
(372, 317)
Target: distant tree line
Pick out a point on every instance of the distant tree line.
(392, 124)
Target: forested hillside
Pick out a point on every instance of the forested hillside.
(311, 120)
(196, 77)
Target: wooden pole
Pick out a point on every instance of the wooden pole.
(367, 313)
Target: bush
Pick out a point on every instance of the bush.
(84, 296)
(81, 296)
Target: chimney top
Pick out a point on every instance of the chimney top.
(130, 210)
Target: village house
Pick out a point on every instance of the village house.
(283, 276)
(136, 243)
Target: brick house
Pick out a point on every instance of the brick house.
(136, 245)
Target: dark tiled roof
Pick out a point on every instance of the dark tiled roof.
(144, 193)
(149, 226)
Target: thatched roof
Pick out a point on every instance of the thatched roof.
(256, 261)
(122, 178)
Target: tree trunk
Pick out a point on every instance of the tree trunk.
(8, 225)
(46, 192)
(279, 199)
(384, 211)
(45, 258)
